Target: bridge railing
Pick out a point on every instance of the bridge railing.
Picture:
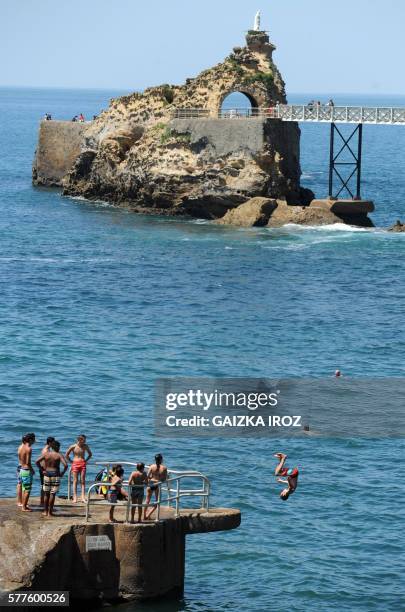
(316, 113)
(341, 114)
(232, 113)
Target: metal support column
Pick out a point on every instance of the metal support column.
(336, 162)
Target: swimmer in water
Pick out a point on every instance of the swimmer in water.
(290, 473)
(338, 374)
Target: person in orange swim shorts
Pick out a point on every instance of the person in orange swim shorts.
(79, 463)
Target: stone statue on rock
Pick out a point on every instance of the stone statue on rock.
(256, 26)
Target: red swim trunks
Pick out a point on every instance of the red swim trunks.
(79, 467)
(292, 472)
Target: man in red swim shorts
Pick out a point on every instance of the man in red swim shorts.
(290, 473)
(79, 464)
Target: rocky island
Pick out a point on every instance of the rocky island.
(145, 155)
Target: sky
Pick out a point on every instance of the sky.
(339, 46)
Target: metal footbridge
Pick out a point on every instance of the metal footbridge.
(311, 113)
(345, 158)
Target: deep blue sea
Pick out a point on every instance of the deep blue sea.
(97, 302)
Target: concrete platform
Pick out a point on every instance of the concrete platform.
(99, 560)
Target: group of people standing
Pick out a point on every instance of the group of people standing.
(52, 466)
(50, 472)
(138, 480)
(312, 103)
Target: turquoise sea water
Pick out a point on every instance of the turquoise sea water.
(96, 303)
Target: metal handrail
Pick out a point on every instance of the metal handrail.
(313, 113)
(174, 492)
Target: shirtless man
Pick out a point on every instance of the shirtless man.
(137, 482)
(291, 474)
(46, 448)
(25, 471)
(79, 464)
(157, 474)
(49, 462)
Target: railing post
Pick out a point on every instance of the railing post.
(177, 496)
(129, 503)
(69, 484)
(88, 504)
(158, 502)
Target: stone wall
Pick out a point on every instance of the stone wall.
(223, 137)
(59, 145)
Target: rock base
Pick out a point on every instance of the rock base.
(140, 561)
(260, 212)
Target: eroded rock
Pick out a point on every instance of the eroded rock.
(397, 227)
(253, 213)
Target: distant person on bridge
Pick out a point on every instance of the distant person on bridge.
(331, 102)
(156, 475)
(290, 473)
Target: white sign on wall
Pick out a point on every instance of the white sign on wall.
(101, 542)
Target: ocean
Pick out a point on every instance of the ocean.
(96, 303)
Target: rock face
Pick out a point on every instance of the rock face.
(59, 145)
(137, 154)
(260, 212)
(397, 227)
(139, 562)
(254, 213)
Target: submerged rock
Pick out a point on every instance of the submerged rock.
(397, 227)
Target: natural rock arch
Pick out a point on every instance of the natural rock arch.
(255, 100)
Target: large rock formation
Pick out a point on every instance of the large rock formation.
(136, 154)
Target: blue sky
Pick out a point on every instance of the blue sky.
(322, 45)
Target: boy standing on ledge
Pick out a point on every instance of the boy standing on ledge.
(79, 464)
(25, 471)
(50, 461)
(157, 474)
(137, 482)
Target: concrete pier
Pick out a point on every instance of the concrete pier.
(59, 145)
(98, 560)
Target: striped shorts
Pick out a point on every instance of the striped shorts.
(51, 483)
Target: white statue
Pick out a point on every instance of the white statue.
(256, 26)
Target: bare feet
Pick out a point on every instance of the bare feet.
(27, 509)
(74, 500)
(44, 513)
(84, 500)
(19, 505)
